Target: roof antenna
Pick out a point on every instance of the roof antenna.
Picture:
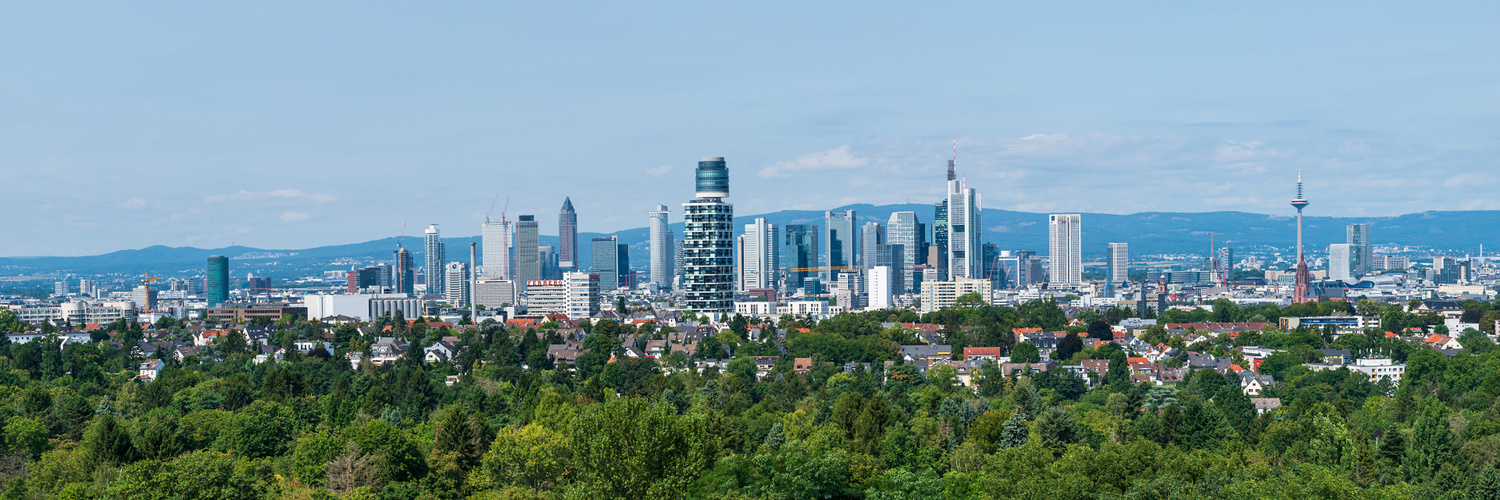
(951, 175)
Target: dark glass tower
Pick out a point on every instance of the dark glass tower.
(567, 237)
(217, 281)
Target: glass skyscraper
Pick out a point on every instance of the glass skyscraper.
(528, 248)
(435, 261)
(567, 236)
(708, 241)
(801, 252)
(216, 283)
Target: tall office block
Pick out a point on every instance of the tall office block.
(965, 229)
(760, 255)
(547, 259)
(1363, 257)
(216, 283)
(605, 254)
(878, 284)
(494, 293)
(456, 279)
(903, 229)
(528, 246)
(871, 237)
(708, 241)
(839, 239)
(405, 278)
(435, 261)
(938, 259)
(496, 236)
(801, 253)
(1341, 262)
(661, 247)
(1065, 243)
(622, 266)
(1117, 261)
(567, 236)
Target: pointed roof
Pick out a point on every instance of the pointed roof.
(567, 204)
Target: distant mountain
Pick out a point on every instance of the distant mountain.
(1147, 233)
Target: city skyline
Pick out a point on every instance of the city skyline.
(155, 121)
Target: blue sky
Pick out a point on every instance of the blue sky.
(297, 124)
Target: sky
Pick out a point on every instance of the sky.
(298, 124)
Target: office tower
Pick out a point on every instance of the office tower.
(904, 230)
(622, 266)
(851, 292)
(216, 284)
(1065, 245)
(708, 241)
(879, 285)
(661, 247)
(494, 293)
(456, 281)
(1363, 262)
(1226, 262)
(838, 239)
(567, 236)
(801, 253)
(938, 259)
(496, 236)
(677, 262)
(606, 261)
(434, 260)
(760, 255)
(964, 231)
(405, 279)
(60, 288)
(1303, 277)
(1117, 263)
(547, 259)
(871, 236)
(1341, 258)
(582, 295)
(528, 243)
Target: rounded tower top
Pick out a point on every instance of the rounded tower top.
(712, 177)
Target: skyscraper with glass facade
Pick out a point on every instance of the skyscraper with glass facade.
(435, 261)
(801, 253)
(567, 236)
(661, 247)
(216, 282)
(708, 241)
(903, 229)
(528, 251)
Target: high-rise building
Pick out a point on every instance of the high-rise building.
(494, 293)
(405, 279)
(760, 255)
(622, 266)
(435, 261)
(496, 236)
(801, 253)
(456, 279)
(1065, 244)
(871, 237)
(839, 239)
(576, 295)
(567, 236)
(1226, 261)
(1341, 258)
(216, 284)
(903, 229)
(965, 229)
(938, 259)
(661, 247)
(1117, 263)
(708, 241)
(878, 283)
(605, 254)
(1363, 256)
(851, 290)
(547, 259)
(528, 248)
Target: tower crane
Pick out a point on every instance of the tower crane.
(146, 285)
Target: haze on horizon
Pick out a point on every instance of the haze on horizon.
(294, 125)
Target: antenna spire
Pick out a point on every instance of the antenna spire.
(951, 175)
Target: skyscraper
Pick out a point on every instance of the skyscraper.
(708, 241)
(801, 253)
(1065, 243)
(1363, 252)
(964, 231)
(622, 266)
(405, 279)
(605, 254)
(547, 259)
(903, 229)
(528, 243)
(456, 278)
(661, 247)
(216, 282)
(567, 236)
(1341, 257)
(1117, 262)
(496, 236)
(760, 252)
(435, 261)
(871, 236)
(839, 238)
(938, 258)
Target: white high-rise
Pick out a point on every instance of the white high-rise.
(902, 230)
(457, 281)
(1066, 249)
(661, 248)
(965, 230)
(760, 255)
(435, 261)
(1342, 259)
(879, 286)
(1118, 260)
(496, 236)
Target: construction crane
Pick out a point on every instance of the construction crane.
(821, 269)
(502, 211)
(146, 285)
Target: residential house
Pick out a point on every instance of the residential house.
(150, 369)
(1263, 405)
(982, 354)
(929, 352)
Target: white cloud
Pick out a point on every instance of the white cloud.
(660, 171)
(295, 216)
(284, 194)
(134, 203)
(840, 158)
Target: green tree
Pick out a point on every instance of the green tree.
(631, 448)
(1067, 347)
(1099, 329)
(199, 475)
(26, 435)
(1025, 352)
(532, 457)
(259, 430)
(1056, 429)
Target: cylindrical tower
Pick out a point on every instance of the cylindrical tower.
(217, 280)
(713, 177)
(708, 241)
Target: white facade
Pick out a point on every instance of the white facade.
(1341, 262)
(755, 308)
(494, 292)
(760, 255)
(851, 294)
(456, 280)
(1118, 260)
(496, 235)
(1065, 244)
(661, 247)
(576, 295)
(965, 231)
(547, 297)
(76, 313)
(361, 306)
(939, 294)
(435, 260)
(879, 282)
(802, 308)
